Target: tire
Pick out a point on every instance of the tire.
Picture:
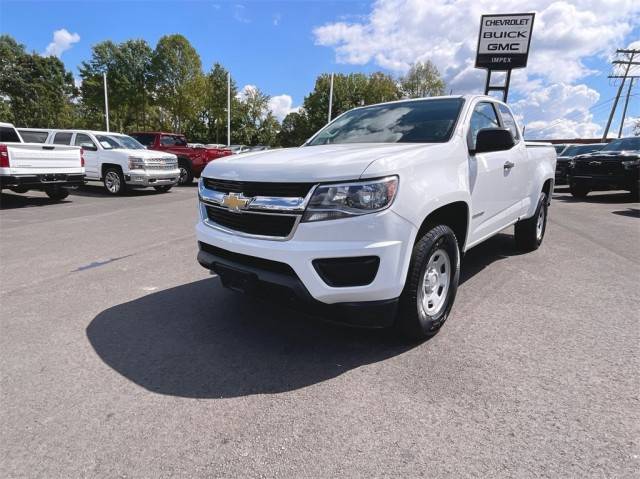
(162, 189)
(579, 190)
(19, 189)
(529, 233)
(186, 175)
(432, 283)
(113, 181)
(57, 193)
(635, 191)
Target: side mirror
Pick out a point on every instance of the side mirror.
(89, 146)
(493, 139)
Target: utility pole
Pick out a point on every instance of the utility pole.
(626, 104)
(228, 108)
(628, 63)
(330, 99)
(106, 100)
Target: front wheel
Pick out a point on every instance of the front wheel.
(432, 283)
(186, 175)
(162, 189)
(57, 193)
(114, 181)
(579, 190)
(529, 233)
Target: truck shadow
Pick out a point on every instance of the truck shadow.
(96, 190)
(14, 201)
(199, 340)
(597, 197)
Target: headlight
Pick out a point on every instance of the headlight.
(136, 163)
(628, 164)
(331, 202)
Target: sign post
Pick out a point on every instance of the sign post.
(503, 44)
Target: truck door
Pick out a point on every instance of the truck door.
(491, 181)
(522, 173)
(90, 154)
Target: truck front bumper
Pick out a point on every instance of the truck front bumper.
(42, 181)
(287, 269)
(146, 178)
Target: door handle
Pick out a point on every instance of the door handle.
(508, 165)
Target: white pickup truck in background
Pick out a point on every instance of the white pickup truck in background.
(119, 161)
(368, 221)
(33, 166)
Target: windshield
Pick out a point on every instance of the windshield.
(118, 142)
(559, 148)
(581, 150)
(419, 121)
(623, 145)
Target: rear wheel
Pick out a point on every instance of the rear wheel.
(57, 193)
(432, 283)
(529, 233)
(579, 190)
(186, 175)
(162, 189)
(114, 181)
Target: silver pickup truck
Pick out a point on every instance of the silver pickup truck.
(33, 166)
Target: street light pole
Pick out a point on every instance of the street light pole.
(228, 108)
(106, 100)
(330, 99)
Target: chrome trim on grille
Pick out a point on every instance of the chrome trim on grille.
(205, 219)
(264, 205)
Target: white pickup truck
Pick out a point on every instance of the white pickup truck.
(34, 166)
(119, 161)
(367, 222)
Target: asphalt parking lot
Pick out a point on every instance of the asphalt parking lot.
(122, 357)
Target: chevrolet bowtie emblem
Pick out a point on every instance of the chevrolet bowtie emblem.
(235, 201)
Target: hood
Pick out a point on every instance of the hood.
(306, 163)
(609, 155)
(146, 154)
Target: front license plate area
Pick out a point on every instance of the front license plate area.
(235, 279)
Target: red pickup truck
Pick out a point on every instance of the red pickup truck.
(190, 160)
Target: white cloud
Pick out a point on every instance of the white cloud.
(240, 14)
(62, 41)
(399, 32)
(281, 106)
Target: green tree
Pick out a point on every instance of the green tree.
(349, 91)
(255, 122)
(215, 98)
(422, 80)
(129, 83)
(295, 129)
(36, 91)
(178, 79)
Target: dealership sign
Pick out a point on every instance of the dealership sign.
(504, 41)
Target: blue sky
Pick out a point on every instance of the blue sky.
(282, 46)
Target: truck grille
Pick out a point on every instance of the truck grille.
(275, 225)
(598, 166)
(259, 188)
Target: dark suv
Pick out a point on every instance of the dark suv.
(614, 167)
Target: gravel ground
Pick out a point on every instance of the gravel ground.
(121, 357)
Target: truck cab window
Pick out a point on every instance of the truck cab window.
(63, 138)
(81, 139)
(166, 140)
(483, 116)
(509, 121)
